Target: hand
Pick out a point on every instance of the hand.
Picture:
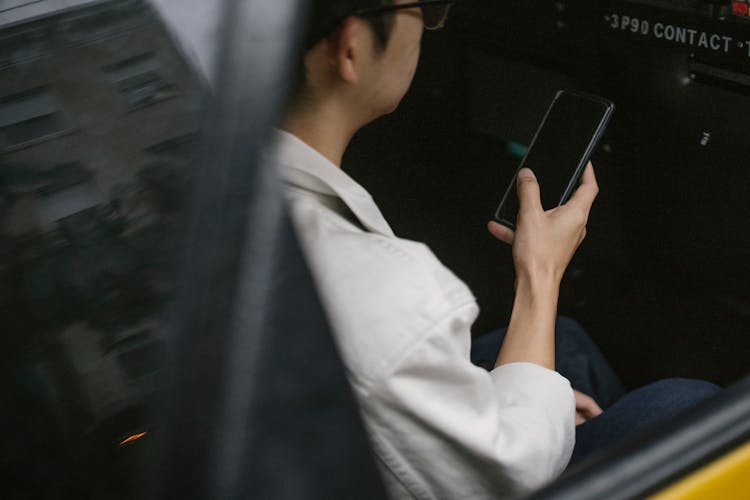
(586, 408)
(544, 242)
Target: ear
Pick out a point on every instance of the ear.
(352, 49)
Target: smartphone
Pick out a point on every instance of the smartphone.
(560, 150)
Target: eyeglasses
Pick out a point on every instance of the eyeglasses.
(434, 12)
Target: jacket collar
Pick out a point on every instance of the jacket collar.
(305, 168)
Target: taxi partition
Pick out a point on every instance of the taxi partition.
(667, 248)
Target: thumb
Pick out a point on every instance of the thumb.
(528, 190)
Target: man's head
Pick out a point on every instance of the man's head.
(359, 67)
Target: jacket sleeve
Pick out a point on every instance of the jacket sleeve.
(444, 428)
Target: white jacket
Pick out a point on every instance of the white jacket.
(441, 427)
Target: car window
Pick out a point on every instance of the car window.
(100, 108)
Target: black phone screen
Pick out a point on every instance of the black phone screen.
(560, 150)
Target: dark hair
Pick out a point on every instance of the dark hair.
(326, 15)
(324, 18)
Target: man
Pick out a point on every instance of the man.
(441, 427)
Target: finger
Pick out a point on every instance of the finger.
(587, 191)
(528, 191)
(501, 232)
(589, 174)
(580, 418)
(594, 411)
(586, 405)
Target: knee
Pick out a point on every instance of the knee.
(680, 392)
(698, 388)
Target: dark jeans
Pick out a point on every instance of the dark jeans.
(579, 360)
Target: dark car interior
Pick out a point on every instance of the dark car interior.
(127, 244)
(661, 280)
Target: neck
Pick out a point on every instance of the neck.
(326, 130)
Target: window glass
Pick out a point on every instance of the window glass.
(139, 80)
(99, 115)
(30, 116)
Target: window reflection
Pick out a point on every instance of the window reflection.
(29, 116)
(139, 80)
(98, 117)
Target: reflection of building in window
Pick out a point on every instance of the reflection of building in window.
(30, 116)
(177, 151)
(69, 190)
(22, 46)
(37, 200)
(109, 19)
(139, 80)
(139, 354)
(88, 220)
(115, 372)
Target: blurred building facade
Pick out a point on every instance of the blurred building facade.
(98, 113)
